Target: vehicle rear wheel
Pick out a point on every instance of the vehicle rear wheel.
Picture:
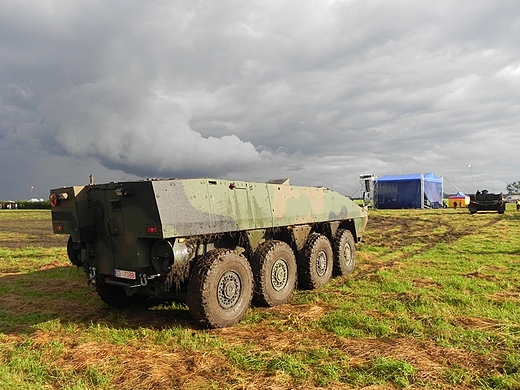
(315, 262)
(74, 252)
(116, 296)
(344, 249)
(274, 266)
(220, 288)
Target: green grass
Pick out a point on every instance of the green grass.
(433, 303)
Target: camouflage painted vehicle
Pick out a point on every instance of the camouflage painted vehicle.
(218, 245)
(487, 201)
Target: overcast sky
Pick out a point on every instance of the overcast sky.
(318, 91)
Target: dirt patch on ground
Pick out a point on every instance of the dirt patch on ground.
(37, 233)
(416, 234)
(397, 232)
(172, 366)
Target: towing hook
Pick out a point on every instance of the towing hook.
(92, 273)
(144, 280)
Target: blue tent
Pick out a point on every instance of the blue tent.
(415, 191)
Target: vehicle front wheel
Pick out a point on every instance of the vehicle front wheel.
(344, 249)
(220, 288)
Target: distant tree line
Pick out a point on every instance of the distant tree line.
(25, 205)
(513, 188)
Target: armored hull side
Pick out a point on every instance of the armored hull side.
(204, 206)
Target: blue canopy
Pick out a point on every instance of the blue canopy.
(430, 177)
(416, 190)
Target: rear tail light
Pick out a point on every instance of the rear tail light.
(152, 229)
(58, 227)
(53, 198)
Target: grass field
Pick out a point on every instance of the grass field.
(434, 303)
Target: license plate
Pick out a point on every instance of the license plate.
(120, 273)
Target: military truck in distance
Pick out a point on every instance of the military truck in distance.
(486, 201)
(216, 244)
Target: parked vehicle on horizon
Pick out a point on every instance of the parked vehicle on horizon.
(487, 201)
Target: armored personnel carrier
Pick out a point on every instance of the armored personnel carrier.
(216, 244)
(487, 201)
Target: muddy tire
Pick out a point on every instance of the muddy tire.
(220, 289)
(74, 252)
(344, 249)
(274, 266)
(116, 296)
(315, 262)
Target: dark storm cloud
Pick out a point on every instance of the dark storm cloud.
(320, 91)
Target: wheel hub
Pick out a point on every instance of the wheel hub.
(347, 251)
(321, 263)
(229, 289)
(279, 275)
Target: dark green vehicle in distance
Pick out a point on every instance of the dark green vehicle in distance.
(217, 245)
(487, 201)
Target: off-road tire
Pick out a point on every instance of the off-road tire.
(116, 296)
(315, 262)
(74, 254)
(344, 249)
(274, 270)
(220, 289)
